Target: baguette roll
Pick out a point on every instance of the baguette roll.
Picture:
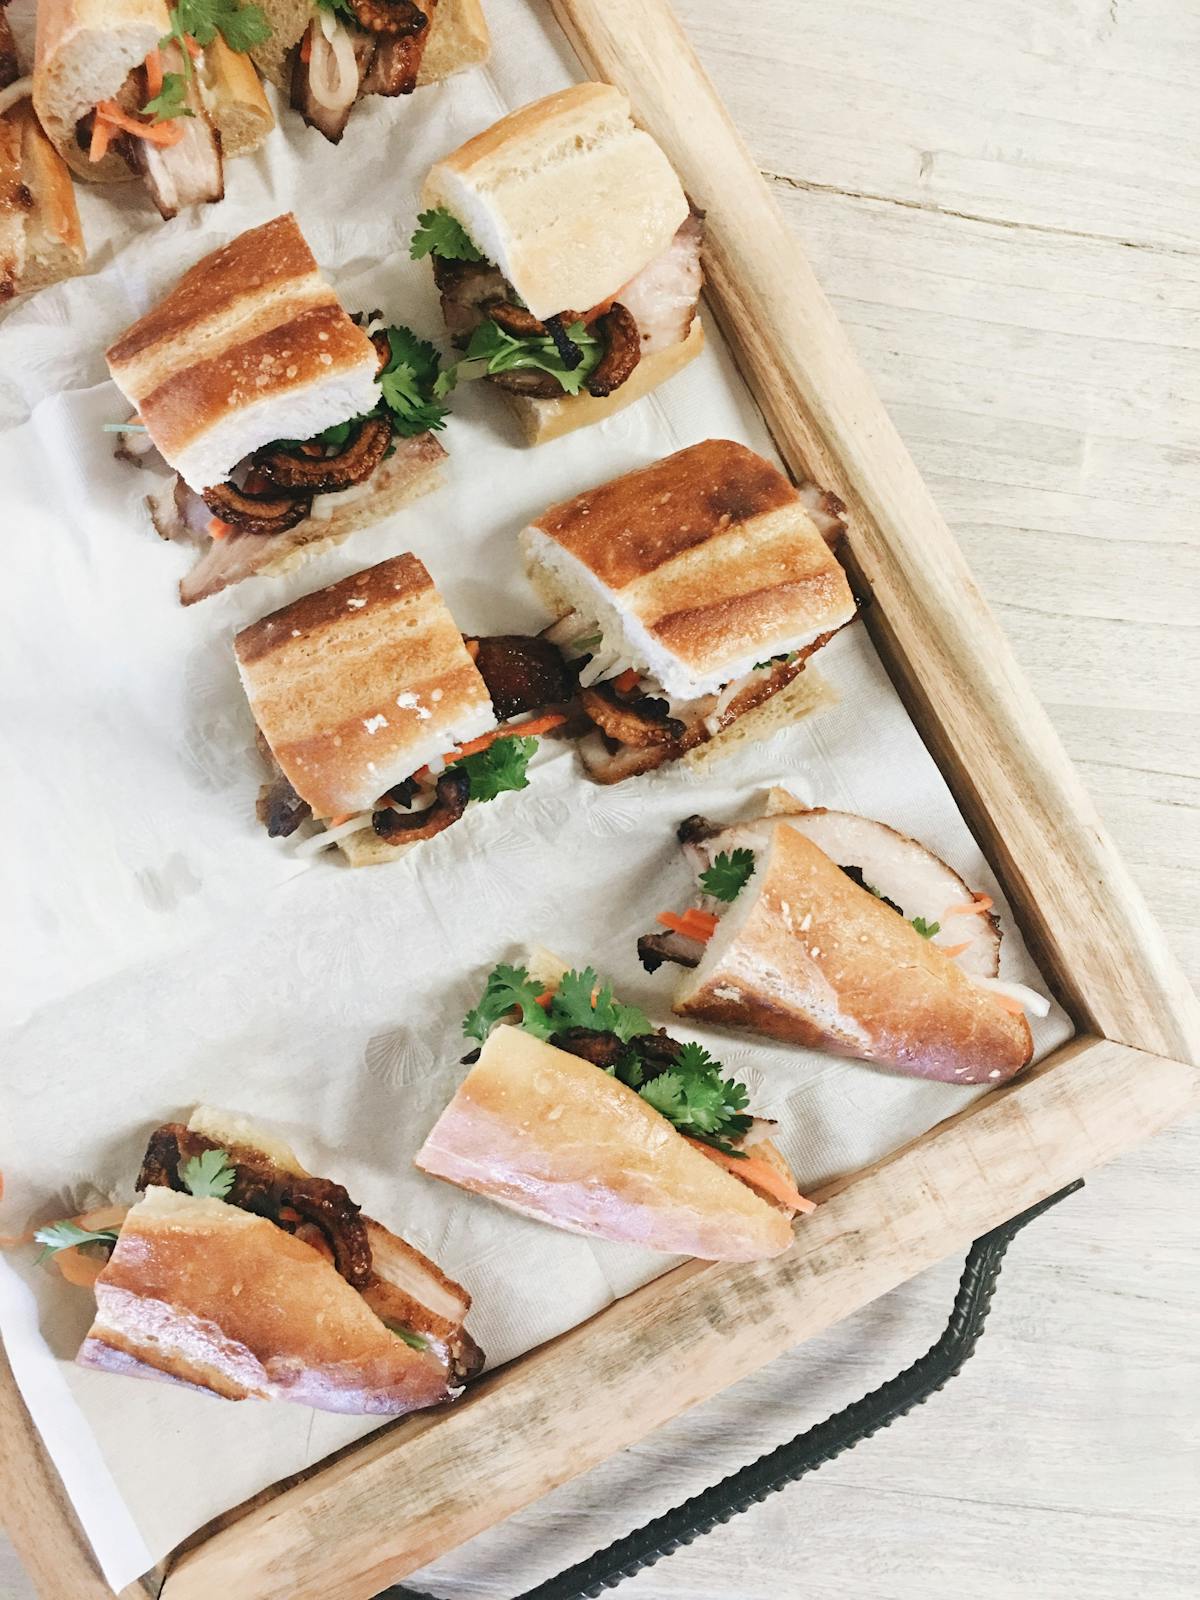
(806, 955)
(555, 1138)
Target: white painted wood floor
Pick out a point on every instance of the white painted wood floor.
(1002, 198)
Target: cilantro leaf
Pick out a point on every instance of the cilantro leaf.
(208, 1174)
(171, 100)
(499, 768)
(698, 1101)
(581, 1001)
(440, 234)
(925, 929)
(241, 27)
(415, 1340)
(492, 350)
(728, 875)
(508, 989)
(408, 384)
(56, 1236)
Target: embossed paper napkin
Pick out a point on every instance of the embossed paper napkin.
(160, 950)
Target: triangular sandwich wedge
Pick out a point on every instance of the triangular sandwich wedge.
(240, 1274)
(608, 1128)
(834, 932)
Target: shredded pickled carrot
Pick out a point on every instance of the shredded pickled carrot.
(953, 950)
(552, 719)
(759, 1175)
(306, 45)
(472, 648)
(218, 529)
(344, 816)
(102, 133)
(979, 903)
(164, 134)
(629, 679)
(154, 73)
(693, 924)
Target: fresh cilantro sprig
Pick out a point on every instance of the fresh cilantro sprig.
(493, 350)
(728, 875)
(438, 233)
(56, 1236)
(499, 768)
(208, 1175)
(508, 989)
(695, 1097)
(409, 384)
(582, 1001)
(925, 929)
(692, 1093)
(170, 101)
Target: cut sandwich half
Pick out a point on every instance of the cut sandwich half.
(381, 721)
(41, 240)
(289, 423)
(240, 1274)
(578, 1113)
(133, 88)
(688, 594)
(827, 930)
(567, 258)
(328, 56)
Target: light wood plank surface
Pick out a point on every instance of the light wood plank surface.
(1002, 201)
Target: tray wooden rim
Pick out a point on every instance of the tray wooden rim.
(393, 1503)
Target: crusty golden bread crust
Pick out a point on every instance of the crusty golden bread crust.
(565, 196)
(543, 420)
(16, 202)
(711, 551)
(806, 956)
(54, 245)
(85, 50)
(216, 1297)
(350, 684)
(252, 326)
(234, 99)
(553, 1137)
(413, 469)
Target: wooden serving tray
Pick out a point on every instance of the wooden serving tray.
(408, 1494)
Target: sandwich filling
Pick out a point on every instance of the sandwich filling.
(896, 871)
(683, 1083)
(356, 47)
(161, 121)
(632, 722)
(593, 350)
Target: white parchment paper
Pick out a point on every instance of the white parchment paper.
(159, 950)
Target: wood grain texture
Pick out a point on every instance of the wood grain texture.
(399, 1500)
(1078, 903)
(1000, 201)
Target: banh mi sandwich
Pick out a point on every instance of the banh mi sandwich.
(687, 595)
(381, 720)
(288, 422)
(837, 933)
(133, 89)
(240, 1274)
(578, 1112)
(329, 53)
(41, 240)
(568, 260)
